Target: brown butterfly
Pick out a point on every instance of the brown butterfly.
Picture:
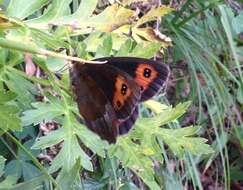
(108, 94)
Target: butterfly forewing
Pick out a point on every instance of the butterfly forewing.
(150, 75)
(120, 89)
(93, 105)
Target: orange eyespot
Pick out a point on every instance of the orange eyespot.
(145, 74)
(122, 92)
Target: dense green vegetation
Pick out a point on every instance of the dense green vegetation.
(199, 146)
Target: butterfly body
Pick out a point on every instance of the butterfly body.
(108, 94)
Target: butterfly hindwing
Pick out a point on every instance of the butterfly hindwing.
(124, 127)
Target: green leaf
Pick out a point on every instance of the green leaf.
(8, 182)
(6, 96)
(237, 23)
(132, 156)
(166, 116)
(129, 186)
(155, 106)
(44, 111)
(85, 9)
(239, 95)
(91, 140)
(113, 15)
(66, 179)
(2, 163)
(9, 119)
(29, 171)
(180, 140)
(136, 156)
(125, 48)
(69, 134)
(54, 64)
(80, 17)
(71, 149)
(69, 153)
(52, 138)
(55, 10)
(35, 183)
(151, 49)
(82, 50)
(93, 41)
(48, 39)
(104, 50)
(24, 8)
(24, 89)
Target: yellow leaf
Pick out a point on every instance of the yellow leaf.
(110, 19)
(148, 34)
(8, 22)
(125, 29)
(148, 151)
(155, 106)
(128, 2)
(153, 14)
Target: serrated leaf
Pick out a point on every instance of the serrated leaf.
(68, 155)
(50, 139)
(91, 140)
(155, 106)
(24, 89)
(166, 116)
(132, 156)
(180, 140)
(71, 149)
(69, 134)
(44, 111)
